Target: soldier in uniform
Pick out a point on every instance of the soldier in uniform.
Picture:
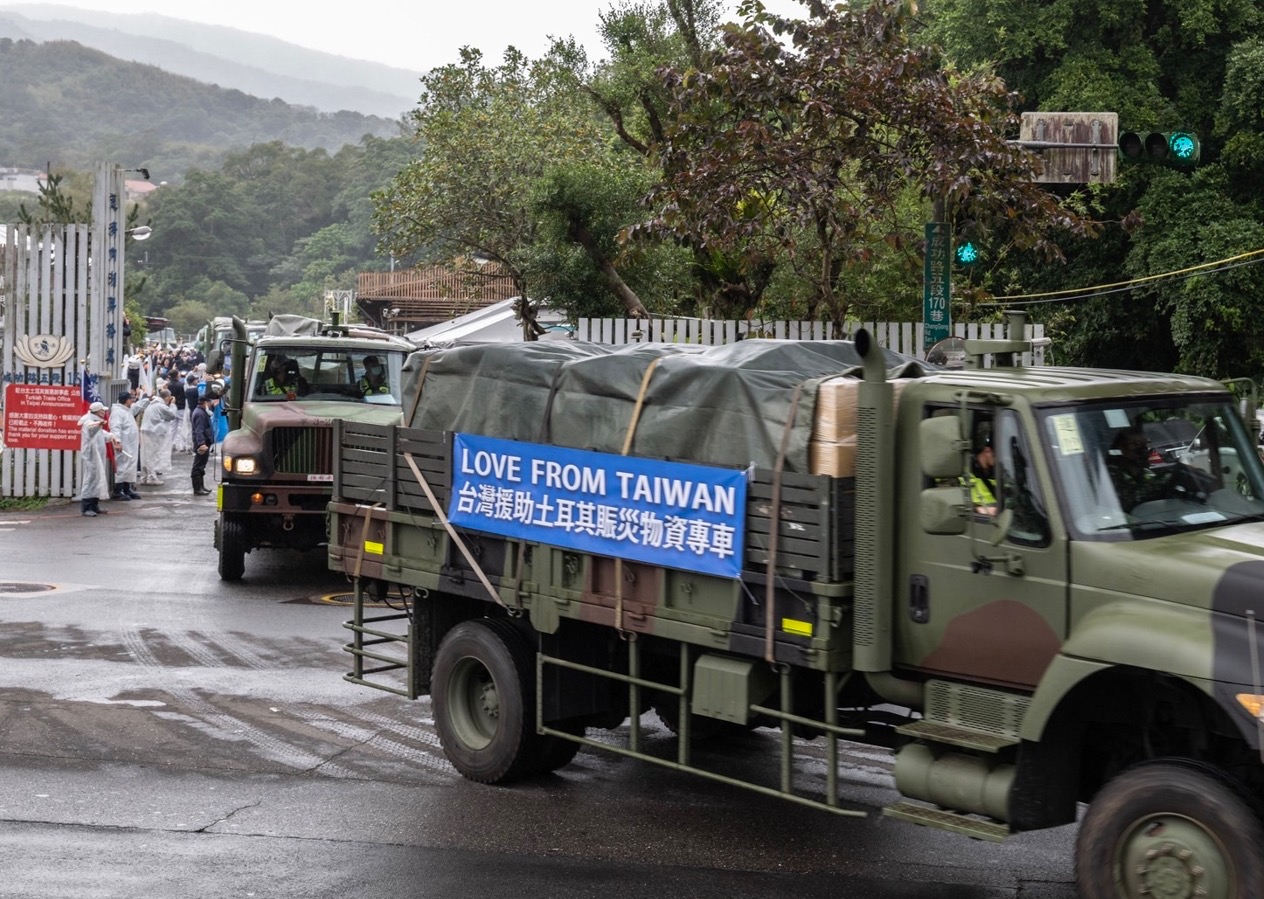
(374, 380)
(982, 477)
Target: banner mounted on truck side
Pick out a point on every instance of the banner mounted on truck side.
(672, 514)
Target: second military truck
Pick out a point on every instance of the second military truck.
(278, 458)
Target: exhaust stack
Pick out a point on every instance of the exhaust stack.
(875, 511)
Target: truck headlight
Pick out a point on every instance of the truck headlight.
(241, 464)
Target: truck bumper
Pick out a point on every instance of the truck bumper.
(279, 515)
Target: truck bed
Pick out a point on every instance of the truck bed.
(799, 531)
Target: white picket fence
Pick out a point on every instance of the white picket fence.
(63, 282)
(903, 337)
(45, 274)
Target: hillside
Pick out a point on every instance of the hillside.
(73, 106)
(254, 64)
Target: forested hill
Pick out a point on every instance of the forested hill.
(256, 64)
(73, 107)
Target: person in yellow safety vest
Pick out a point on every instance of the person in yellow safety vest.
(982, 477)
(374, 380)
(285, 379)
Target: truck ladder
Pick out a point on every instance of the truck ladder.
(368, 637)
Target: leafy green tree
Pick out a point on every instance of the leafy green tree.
(365, 168)
(642, 39)
(1163, 66)
(804, 138)
(188, 316)
(490, 138)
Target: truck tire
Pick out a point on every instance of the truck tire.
(557, 752)
(483, 692)
(232, 548)
(1170, 828)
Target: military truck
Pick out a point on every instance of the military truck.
(561, 545)
(215, 339)
(277, 458)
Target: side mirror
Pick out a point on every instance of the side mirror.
(943, 510)
(941, 447)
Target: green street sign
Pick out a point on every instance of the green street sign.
(936, 287)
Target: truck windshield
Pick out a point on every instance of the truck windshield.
(1153, 465)
(303, 372)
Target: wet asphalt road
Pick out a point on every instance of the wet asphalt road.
(164, 734)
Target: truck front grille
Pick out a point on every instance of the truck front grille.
(302, 450)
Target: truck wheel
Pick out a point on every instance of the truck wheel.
(232, 548)
(483, 691)
(556, 752)
(1172, 828)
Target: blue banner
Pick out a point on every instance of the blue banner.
(672, 514)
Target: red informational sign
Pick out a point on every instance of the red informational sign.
(37, 416)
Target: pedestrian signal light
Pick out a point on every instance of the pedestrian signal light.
(1178, 149)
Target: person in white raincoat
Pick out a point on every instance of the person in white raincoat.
(126, 461)
(94, 464)
(155, 437)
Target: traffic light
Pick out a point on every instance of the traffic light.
(966, 253)
(1177, 149)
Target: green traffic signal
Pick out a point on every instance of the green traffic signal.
(1183, 147)
(967, 253)
(1178, 149)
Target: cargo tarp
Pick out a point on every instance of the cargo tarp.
(289, 325)
(722, 405)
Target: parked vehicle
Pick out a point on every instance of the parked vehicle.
(565, 543)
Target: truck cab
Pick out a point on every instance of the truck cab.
(277, 461)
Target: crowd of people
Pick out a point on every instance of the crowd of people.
(171, 405)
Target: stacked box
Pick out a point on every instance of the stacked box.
(832, 449)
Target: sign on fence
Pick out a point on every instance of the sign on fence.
(42, 417)
(672, 514)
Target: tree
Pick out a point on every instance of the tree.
(489, 138)
(188, 316)
(806, 139)
(1194, 66)
(644, 38)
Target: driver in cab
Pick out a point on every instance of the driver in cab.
(283, 378)
(1129, 464)
(373, 383)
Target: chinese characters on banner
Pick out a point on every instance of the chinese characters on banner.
(42, 417)
(672, 514)
(936, 290)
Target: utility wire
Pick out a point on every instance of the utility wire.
(1253, 257)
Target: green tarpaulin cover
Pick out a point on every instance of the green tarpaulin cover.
(723, 405)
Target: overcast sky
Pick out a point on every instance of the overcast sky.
(410, 34)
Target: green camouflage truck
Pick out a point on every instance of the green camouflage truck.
(551, 548)
(277, 459)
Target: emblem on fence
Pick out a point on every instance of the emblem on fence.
(43, 350)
